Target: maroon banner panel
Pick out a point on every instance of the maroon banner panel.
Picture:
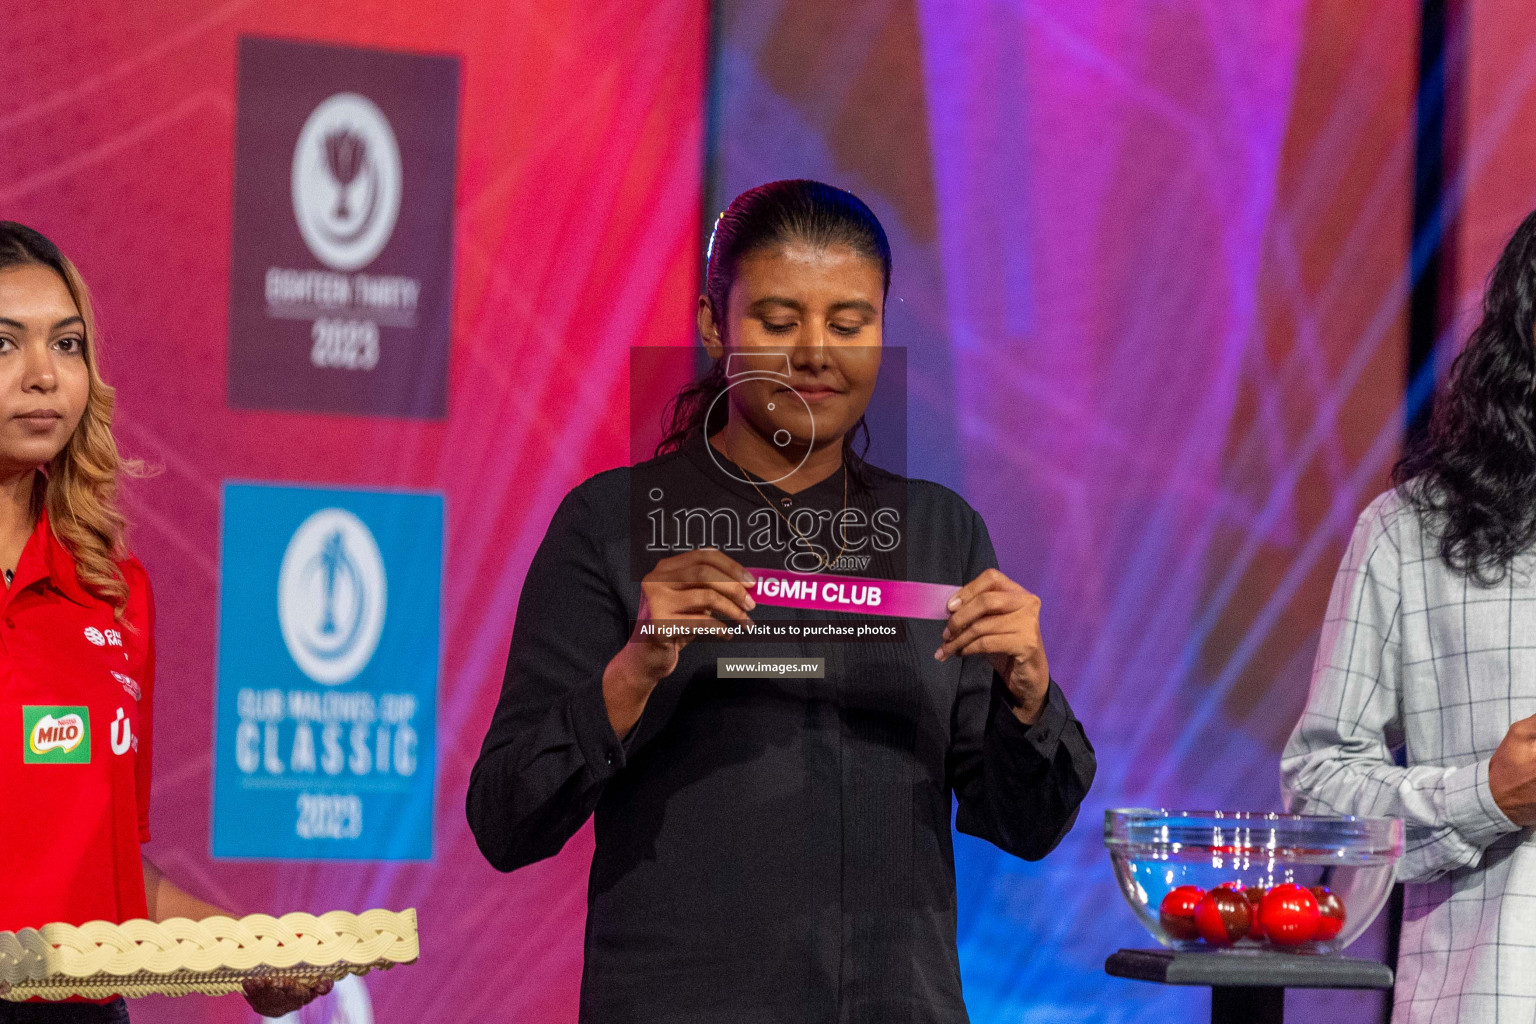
(341, 272)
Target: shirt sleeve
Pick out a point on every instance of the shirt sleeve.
(1018, 786)
(1339, 757)
(142, 756)
(550, 749)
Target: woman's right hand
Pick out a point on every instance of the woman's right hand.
(702, 589)
(1512, 773)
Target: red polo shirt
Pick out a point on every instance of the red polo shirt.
(75, 688)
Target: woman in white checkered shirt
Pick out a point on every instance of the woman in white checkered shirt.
(1430, 646)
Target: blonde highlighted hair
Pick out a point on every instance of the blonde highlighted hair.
(80, 492)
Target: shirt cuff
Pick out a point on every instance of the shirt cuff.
(1470, 808)
(1045, 735)
(600, 746)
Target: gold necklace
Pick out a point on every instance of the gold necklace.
(825, 562)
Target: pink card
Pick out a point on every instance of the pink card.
(858, 594)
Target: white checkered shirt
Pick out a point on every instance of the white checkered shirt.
(1414, 655)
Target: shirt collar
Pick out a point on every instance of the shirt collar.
(46, 558)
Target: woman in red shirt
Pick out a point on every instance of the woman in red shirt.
(77, 655)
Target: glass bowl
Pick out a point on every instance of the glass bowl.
(1250, 881)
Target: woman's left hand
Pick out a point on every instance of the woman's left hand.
(274, 997)
(993, 615)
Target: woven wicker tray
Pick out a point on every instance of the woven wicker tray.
(214, 956)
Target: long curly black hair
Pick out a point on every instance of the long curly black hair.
(759, 218)
(1472, 475)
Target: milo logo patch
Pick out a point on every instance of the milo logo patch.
(56, 735)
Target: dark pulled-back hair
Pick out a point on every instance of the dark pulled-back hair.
(1472, 475)
(770, 215)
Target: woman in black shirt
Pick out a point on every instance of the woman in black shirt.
(773, 849)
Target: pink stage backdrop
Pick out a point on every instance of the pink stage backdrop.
(576, 225)
(1496, 186)
(1151, 276)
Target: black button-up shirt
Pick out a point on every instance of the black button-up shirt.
(766, 849)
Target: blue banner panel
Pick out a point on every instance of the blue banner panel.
(328, 671)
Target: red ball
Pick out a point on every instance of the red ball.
(1290, 914)
(1177, 912)
(1255, 903)
(1253, 895)
(1332, 910)
(1223, 916)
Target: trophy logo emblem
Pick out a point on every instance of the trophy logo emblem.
(331, 596)
(346, 181)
